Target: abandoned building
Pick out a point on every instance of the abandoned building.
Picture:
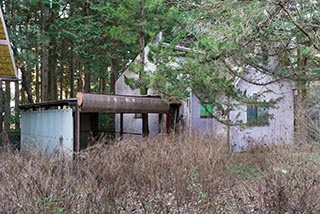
(80, 115)
(192, 114)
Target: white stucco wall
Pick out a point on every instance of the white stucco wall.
(281, 126)
(279, 130)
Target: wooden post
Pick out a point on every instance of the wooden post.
(77, 129)
(145, 125)
(7, 109)
(160, 124)
(167, 123)
(16, 99)
(121, 125)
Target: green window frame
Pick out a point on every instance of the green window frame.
(206, 110)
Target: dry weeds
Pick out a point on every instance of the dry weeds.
(188, 173)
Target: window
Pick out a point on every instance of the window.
(205, 110)
(257, 116)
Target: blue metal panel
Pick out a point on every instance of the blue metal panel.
(48, 131)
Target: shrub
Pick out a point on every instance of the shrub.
(187, 173)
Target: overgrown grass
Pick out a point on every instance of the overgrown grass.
(188, 173)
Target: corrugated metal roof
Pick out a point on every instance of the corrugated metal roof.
(7, 63)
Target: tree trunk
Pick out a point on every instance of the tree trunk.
(87, 76)
(23, 96)
(66, 93)
(87, 80)
(80, 82)
(71, 62)
(113, 75)
(44, 55)
(71, 72)
(45, 73)
(301, 133)
(52, 83)
(143, 89)
(300, 107)
(37, 82)
(25, 80)
(112, 90)
(61, 81)
(102, 87)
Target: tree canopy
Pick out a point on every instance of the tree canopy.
(69, 46)
(277, 38)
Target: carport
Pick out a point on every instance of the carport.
(52, 122)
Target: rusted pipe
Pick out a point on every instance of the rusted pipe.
(121, 103)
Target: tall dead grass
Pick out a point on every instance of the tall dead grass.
(189, 173)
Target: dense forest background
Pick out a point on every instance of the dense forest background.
(66, 46)
(63, 47)
(70, 46)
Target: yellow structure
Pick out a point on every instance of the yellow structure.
(7, 64)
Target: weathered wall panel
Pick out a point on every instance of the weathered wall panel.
(205, 125)
(280, 129)
(48, 131)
